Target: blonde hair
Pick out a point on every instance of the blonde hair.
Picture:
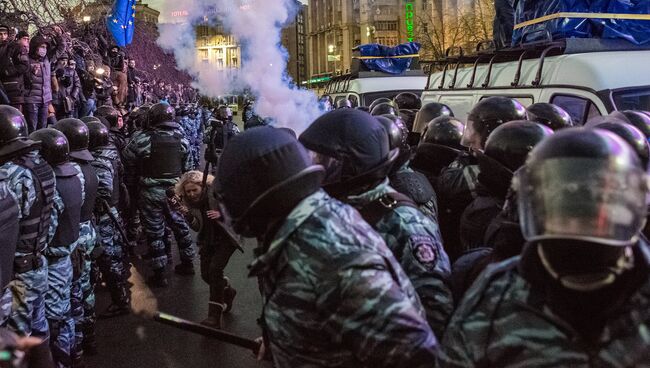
(191, 177)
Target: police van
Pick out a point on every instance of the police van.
(586, 77)
(362, 87)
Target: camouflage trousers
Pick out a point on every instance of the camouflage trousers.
(195, 153)
(58, 310)
(87, 242)
(5, 306)
(155, 213)
(28, 302)
(111, 262)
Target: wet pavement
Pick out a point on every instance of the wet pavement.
(131, 341)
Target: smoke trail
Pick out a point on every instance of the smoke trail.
(257, 24)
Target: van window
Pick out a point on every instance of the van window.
(632, 99)
(368, 98)
(580, 108)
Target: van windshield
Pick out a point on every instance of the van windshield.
(368, 98)
(632, 99)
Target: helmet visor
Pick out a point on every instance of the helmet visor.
(596, 200)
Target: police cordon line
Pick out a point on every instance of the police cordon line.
(513, 238)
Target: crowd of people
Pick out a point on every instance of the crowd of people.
(392, 235)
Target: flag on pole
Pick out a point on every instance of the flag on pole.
(121, 21)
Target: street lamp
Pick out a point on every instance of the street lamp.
(331, 49)
(86, 19)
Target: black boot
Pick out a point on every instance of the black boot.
(158, 279)
(229, 294)
(215, 313)
(185, 269)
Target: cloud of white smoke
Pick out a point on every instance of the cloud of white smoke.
(257, 25)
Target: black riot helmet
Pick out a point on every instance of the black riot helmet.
(379, 101)
(54, 146)
(506, 151)
(550, 115)
(98, 135)
(397, 132)
(510, 143)
(444, 131)
(160, 113)
(398, 135)
(383, 109)
(408, 101)
(344, 103)
(88, 119)
(630, 134)
(429, 112)
(139, 117)
(77, 133)
(585, 185)
(262, 175)
(110, 114)
(640, 119)
(13, 132)
(224, 112)
(487, 115)
(354, 149)
(408, 117)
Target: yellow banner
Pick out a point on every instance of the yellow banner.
(583, 16)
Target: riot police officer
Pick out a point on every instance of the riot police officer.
(32, 182)
(456, 187)
(354, 148)
(404, 179)
(271, 189)
(56, 151)
(143, 156)
(9, 226)
(115, 124)
(429, 112)
(77, 134)
(111, 263)
(575, 296)
(439, 146)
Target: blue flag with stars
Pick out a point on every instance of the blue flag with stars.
(121, 21)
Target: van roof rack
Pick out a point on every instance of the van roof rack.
(485, 53)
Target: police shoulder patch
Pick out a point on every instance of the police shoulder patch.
(424, 250)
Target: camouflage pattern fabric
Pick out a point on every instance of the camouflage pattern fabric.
(76, 293)
(335, 296)
(152, 200)
(87, 241)
(155, 213)
(28, 289)
(501, 323)
(5, 306)
(111, 262)
(417, 245)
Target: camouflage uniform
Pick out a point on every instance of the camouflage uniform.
(154, 209)
(5, 292)
(334, 295)
(416, 243)
(76, 291)
(505, 321)
(28, 288)
(111, 262)
(58, 296)
(197, 143)
(189, 133)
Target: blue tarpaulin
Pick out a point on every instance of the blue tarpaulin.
(612, 24)
(121, 21)
(392, 60)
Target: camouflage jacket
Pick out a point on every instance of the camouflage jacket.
(105, 172)
(139, 148)
(503, 321)
(335, 296)
(416, 243)
(21, 183)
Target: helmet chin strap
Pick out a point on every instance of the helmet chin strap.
(588, 282)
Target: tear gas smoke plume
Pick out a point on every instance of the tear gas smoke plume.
(257, 25)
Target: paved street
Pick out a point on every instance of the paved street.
(133, 342)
